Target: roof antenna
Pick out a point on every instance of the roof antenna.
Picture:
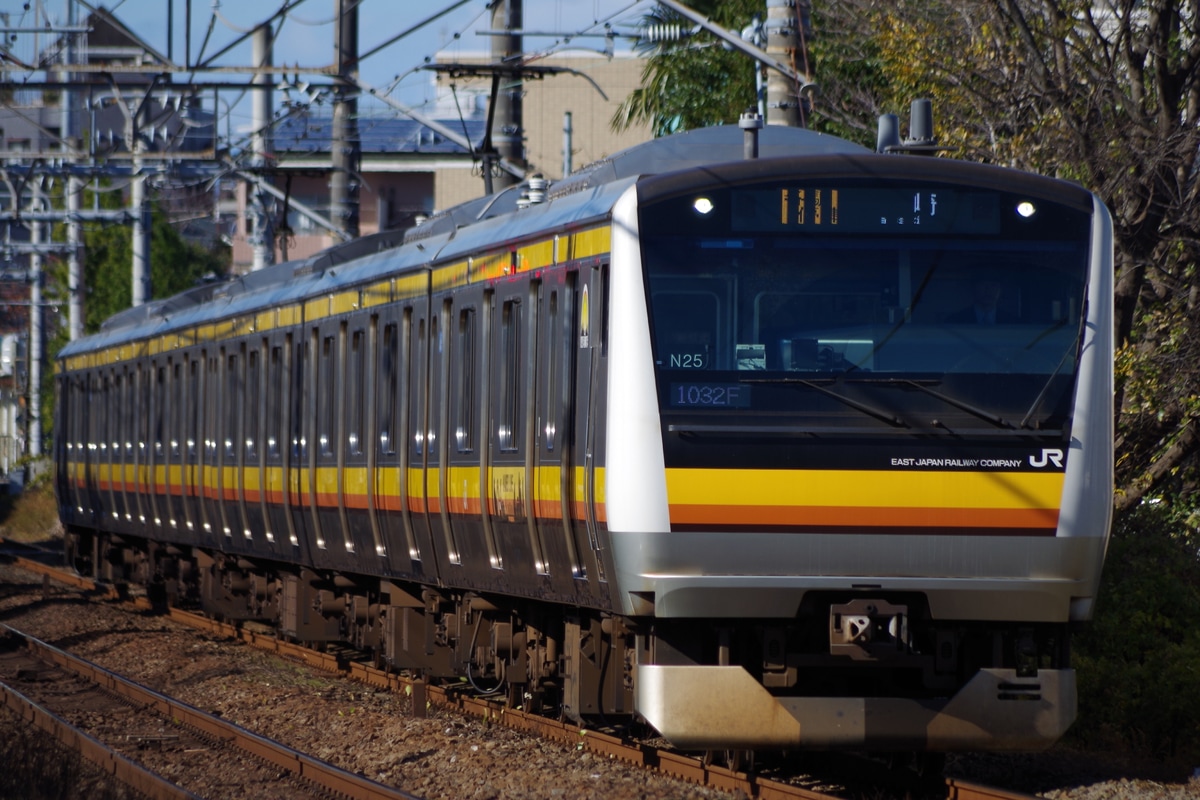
(920, 141)
(750, 123)
(887, 139)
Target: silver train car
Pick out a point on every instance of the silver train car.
(812, 450)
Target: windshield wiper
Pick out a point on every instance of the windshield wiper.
(984, 414)
(885, 416)
(1037, 401)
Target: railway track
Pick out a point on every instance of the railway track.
(696, 770)
(118, 723)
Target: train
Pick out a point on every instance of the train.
(775, 446)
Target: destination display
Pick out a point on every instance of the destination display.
(896, 211)
(709, 395)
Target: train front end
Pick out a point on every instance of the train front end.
(859, 453)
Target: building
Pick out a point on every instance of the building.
(409, 170)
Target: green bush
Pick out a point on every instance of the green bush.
(1138, 663)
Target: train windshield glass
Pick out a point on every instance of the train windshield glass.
(889, 292)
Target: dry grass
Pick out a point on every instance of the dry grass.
(31, 516)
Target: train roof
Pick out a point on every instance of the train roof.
(474, 226)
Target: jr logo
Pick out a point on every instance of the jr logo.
(1049, 456)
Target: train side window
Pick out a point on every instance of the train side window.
(176, 393)
(387, 390)
(355, 375)
(142, 414)
(119, 404)
(422, 363)
(192, 433)
(274, 394)
(554, 345)
(160, 397)
(108, 407)
(326, 376)
(299, 402)
(464, 379)
(233, 401)
(253, 397)
(509, 414)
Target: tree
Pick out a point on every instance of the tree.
(1102, 92)
(693, 82)
(1106, 93)
(175, 265)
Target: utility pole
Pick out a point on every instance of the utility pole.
(261, 236)
(346, 148)
(33, 415)
(141, 226)
(788, 27)
(507, 132)
(74, 187)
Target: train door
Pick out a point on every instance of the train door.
(109, 449)
(206, 511)
(227, 443)
(463, 435)
(124, 445)
(156, 459)
(96, 423)
(566, 541)
(585, 448)
(513, 342)
(421, 460)
(251, 443)
(309, 507)
(360, 434)
(276, 435)
(214, 440)
(437, 458)
(393, 483)
(64, 445)
(299, 466)
(107, 467)
(190, 445)
(141, 441)
(184, 445)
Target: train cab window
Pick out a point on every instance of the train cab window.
(687, 329)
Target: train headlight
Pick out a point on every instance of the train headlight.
(702, 206)
(1026, 209)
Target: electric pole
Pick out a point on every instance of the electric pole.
(346, 148)
(507, 132)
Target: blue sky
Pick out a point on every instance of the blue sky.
(307, 34)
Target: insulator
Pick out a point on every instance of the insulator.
(665, 33)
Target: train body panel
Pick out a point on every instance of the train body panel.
(697, 439)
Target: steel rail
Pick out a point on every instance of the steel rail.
(320, 773)
(123, 770)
